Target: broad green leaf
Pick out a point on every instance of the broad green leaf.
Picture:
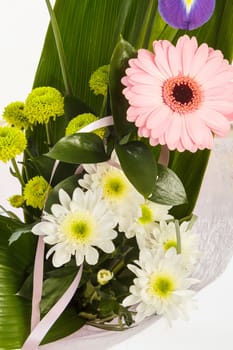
(138, 164)
(79, 148)
(52, 287)
(74, 106)
(190, 168)
(168, 188)
(68, 323)
(119, 105)
(18, 232)
(15, 263)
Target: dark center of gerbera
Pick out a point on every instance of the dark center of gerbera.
(183, 93)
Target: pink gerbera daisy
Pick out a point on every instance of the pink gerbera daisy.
(180, 95)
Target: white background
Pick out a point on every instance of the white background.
(23, 26)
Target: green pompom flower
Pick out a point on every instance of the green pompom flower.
(12, 143)
(16, 201)
(42, 104)
(99, 81)
(35, 192)
(80, 122)
(15, 116)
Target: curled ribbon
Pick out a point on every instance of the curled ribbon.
(39, 328)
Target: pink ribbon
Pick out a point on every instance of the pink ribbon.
(40, 328)
(50, 318)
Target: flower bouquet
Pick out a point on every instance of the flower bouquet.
(114, 139)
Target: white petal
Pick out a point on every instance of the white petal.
(79, 257)
(107, 246)
(92, 256)
(58, 210)
(61, 255)
(44, 228)
(64, 198)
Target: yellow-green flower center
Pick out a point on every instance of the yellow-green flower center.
(80, 122)
(104, 276)
(16, 201)
(79, 226)
(170, 244)
(161, 285)
(42, 104)
(147, 215)
(15, 116)
(35, 192)
(115, 186)
(99, 81)
(12, 143)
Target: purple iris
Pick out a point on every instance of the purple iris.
(186, 14)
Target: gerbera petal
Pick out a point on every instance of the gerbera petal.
(215, 121)
(199, 59)
(158, 117)
(160, 59)
(197, 129)
(172, 134)
(186, 139)
(186, 14)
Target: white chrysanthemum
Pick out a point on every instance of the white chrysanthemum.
(163, 236)
(150, 213)
(77, 226)
(119, 193)
(161, 287)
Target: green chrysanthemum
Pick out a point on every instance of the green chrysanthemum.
(42, 104)
(12, 143)
(99, 81)
(16, 201)
(80, 122)
(35, 192)
(15, 116)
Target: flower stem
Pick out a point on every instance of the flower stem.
(103, 107)
(17, 172)
(48, 135)
(60, 49)
(178, 239)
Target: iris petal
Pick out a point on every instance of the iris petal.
(186, 14)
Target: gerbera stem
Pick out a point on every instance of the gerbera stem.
(164, 155)
(17, 172)
(60, 49)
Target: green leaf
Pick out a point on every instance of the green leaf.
(15, 262)
(138, 164)
(52, 287)
(74, 106)
(190, 168)
(68, 323)
(168, 188)
(22, 229)
(79, 148)
(119, 105)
